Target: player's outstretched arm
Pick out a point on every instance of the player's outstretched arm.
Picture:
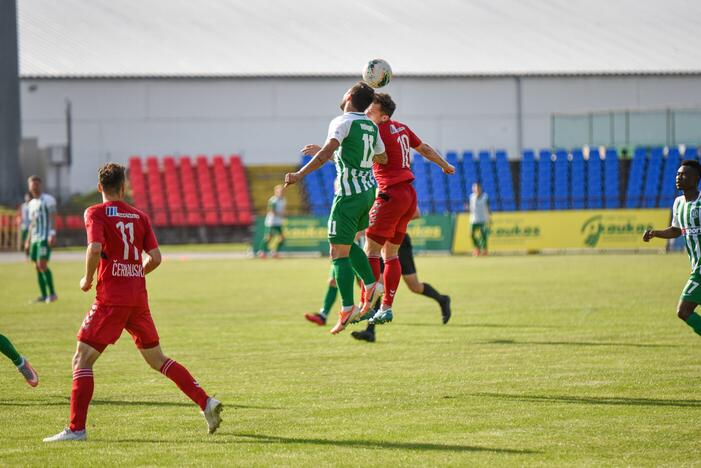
(319, 159)
(152, 259)
(669, 233)
(432, 155)
(92, 261)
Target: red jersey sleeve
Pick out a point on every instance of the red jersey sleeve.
(414, 141)
(150, 241)
(94, 227)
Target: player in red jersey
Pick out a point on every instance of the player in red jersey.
(122, 244)
(395, 204)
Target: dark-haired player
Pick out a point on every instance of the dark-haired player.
(354, 142)
(686, 213)
(42, 236)
(395, 204)
(122, 245)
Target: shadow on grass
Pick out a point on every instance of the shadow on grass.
(66, 402)
(618, 401)
(580, 343)
(468, 325)
(366, 444)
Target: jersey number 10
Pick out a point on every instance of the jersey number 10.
(403, 141)
(124, 228)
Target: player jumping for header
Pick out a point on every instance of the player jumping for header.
(354, 142)
(686, 222)
(395, 204)
(121, 243)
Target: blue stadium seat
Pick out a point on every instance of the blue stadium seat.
(527, 181)
(594, 180)
(651, 187)
(506, 184)
(562, 188)
(668, 189)
(577, 186)
(691, 152)
(635, 178)
(456, 193)
(544, 180)
(612, 198)
(469, 173)
(487, 179)
(439, 189)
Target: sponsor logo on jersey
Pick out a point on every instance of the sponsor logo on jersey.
(695, 231)
(112, 211)
(393, 129)
(367, 128)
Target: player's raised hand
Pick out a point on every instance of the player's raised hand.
(649, 234)
(292, 178)
(85, 284)
(449, 169)
(311, 150)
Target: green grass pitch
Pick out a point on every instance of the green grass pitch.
(558, 360)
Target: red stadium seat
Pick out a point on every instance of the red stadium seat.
(222, 184)
(74, 222)
(155, 192)
(241, 192)
(137, 183)
(207, 191)
(174, 200)
(192, 201)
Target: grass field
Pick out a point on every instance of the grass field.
(558, 360)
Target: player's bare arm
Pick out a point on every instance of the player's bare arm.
(669, 233)
(52, 233)
(152, 259)
(319, 159)
(432, 155)
(380, 158)
(92, 261)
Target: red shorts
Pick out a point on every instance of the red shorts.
(391, 213)
(103, 326)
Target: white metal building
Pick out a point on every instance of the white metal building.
(264, 78)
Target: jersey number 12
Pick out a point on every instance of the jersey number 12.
(128, 228)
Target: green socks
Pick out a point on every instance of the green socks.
(694, 321)
(8, 350)
(361, 265)
(343, 272)
(329, 299)
(42, 283)
(49, 281)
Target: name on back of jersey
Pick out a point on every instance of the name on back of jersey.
(128, 270)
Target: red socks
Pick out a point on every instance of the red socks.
(392, 276)
(185, 382)
(81, 394)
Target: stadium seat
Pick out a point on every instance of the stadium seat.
(439, 189)
(506, 184)
(651, 187)
(456, 193)
(469, 169)
(612, 197)
(594, 180)
(668, 189)
(137, 183)
(205, 185)
(222, 186)
(242, 196)
(635, 178)
(191, 197)
(562, 187)
(527, 181)
(487, 179)
(155, 192)
(174, 200)
(544, 185)
(691, 152)
(578, 190)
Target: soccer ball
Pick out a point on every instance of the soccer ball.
(377, 73)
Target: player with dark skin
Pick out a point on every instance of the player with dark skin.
(687, 181)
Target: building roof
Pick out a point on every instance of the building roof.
(244, 38)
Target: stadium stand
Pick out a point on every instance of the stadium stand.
(178, 194)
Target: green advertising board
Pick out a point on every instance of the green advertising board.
(308, 233)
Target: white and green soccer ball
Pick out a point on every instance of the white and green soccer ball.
(377, 73)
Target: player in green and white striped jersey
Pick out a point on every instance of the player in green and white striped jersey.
(686, 214)
(42, 236)
(355, 144)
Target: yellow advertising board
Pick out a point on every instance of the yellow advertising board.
(576, 229)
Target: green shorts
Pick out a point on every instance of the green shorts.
(273, 230)
(39, 251)
(349, 215)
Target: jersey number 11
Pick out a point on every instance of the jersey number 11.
(124, 228)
